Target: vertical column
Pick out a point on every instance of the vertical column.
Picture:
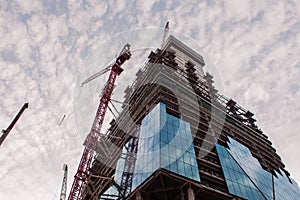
(138, 196)
(191, 194)
(182, 194)
(273, 187)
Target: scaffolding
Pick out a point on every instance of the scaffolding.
(167, 67)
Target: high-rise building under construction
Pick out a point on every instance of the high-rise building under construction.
(178, 138)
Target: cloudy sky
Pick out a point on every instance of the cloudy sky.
(46, 48)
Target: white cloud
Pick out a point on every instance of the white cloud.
(31, 7)
(37, 29)
(144, 6)
(254, 44)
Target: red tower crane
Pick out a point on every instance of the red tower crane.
(94, 134)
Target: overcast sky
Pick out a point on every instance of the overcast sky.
(44, 51)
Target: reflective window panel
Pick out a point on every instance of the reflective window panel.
(110, 193)
(242, 169)
(260, 177)
(164, 142)
(284, 189)
(237, 181)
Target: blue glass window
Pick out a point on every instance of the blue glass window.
(238, 182)
(246, 178)
(284, 189)
(166, 142)
(112, 190)
(260, 177)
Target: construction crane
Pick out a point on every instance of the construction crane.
(6, 132)
(63, 192)
(94, 134)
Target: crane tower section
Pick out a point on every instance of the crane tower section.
(64, 183)
(94, 134)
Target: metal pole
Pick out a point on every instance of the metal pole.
(6, 132)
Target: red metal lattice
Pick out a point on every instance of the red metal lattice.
(92, 139)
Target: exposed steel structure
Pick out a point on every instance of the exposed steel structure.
(92, 138)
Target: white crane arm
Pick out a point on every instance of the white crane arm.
(125, 50)
(103, 71)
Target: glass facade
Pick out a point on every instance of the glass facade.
(237, 181)
(246, 178)
(112, 191)
(261, 178)
(164, 142)
(285, 189)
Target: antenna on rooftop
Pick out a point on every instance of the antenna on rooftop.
(166, 33)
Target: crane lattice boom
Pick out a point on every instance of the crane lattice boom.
(92, 139)
(96, 75)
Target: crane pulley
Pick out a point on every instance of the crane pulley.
(92, 138)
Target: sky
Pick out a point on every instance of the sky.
(48, 47)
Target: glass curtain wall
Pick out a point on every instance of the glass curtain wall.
(164, 142)
(246, 178)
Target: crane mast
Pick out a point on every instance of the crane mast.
(64, 183)
(94, 134)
